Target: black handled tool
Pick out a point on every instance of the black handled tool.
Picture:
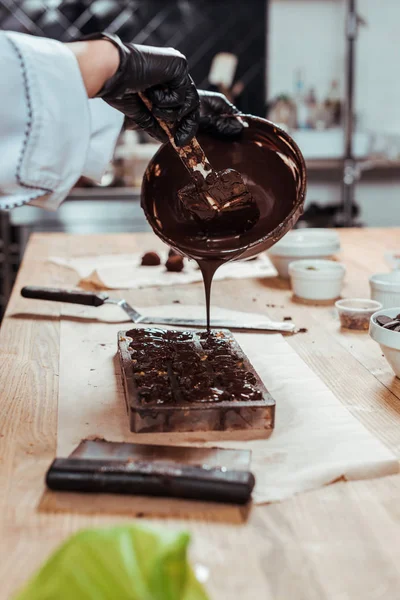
(210, 474)
(100, 298)
(58, 295)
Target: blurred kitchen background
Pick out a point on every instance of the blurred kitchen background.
(326, 70)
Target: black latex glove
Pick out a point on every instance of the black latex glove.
(217, 116)
(162, 73)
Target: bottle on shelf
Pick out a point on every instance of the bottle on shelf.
(300, 101)
(312, 107)
(333, 104)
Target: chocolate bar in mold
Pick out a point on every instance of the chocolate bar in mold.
(183, 381)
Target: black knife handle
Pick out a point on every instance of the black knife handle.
(147, 479)
(71, 296)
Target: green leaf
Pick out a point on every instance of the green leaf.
(134, 562)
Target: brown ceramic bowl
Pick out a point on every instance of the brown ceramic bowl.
(273, 169)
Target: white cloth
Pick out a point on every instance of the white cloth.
(50, 132)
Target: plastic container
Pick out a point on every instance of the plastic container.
(385, 288)
(316, 279)
(388, 340)
(355, 313)
(303, 244)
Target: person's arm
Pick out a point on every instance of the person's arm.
(50, 132)
(117, 72)
(163, 75)
(98, 61)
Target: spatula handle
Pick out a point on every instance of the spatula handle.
(70, 296)
(192, 155)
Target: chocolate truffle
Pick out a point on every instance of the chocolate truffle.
(175, 264)
(151, 259)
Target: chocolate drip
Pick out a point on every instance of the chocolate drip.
(208, 268)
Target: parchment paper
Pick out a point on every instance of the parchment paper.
(316, 440)
(123, 271)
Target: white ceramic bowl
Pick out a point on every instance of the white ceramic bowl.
(385, 288)
(302, 244)
(389, 341)
(316, 279)
(355, 313)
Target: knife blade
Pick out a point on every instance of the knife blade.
(133, 314)
(137, 318)
(222, 323)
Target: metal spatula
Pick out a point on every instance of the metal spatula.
(100, 298)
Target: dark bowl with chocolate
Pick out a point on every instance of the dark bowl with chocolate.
(273, 170)
(384, 328)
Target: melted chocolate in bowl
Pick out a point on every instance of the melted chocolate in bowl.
(274, 172)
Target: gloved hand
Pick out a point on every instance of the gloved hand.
(163, 74)
(217, 116)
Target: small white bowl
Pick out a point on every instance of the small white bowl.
(302, 244)
(388, 340)
(385, 288)
(316, 279)
(355, 313)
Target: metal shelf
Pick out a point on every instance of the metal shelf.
(367, 164)
(130, 194)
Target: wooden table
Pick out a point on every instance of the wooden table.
(340, 542)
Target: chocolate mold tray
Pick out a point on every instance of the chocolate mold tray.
(191, 381)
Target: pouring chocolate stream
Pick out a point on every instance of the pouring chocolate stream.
(273, 171)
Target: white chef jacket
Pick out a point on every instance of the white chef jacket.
(50, 132)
